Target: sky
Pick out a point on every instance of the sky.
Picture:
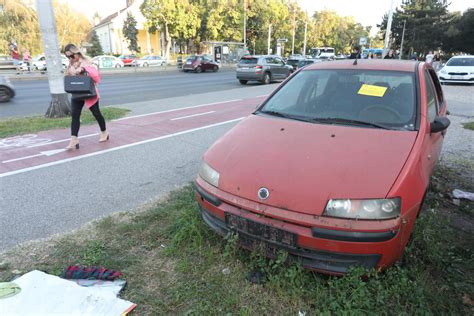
(367, 12)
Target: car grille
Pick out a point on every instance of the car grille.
(458, 73)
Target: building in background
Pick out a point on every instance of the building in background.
(109, 31)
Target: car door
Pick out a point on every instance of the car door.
(433, 141)
(273, 67)
(283, 69)
(206, 63)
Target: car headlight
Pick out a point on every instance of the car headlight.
(209, 174)
(364, 209)
(443, 71)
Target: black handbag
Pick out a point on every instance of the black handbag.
(80, 87)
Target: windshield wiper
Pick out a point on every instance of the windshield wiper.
(349, 121)
(288, 116)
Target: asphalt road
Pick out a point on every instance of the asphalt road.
(59, 198)
(33, 95)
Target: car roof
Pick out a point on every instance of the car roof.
(465, 56)
(367, 64)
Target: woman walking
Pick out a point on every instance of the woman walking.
(78, 65)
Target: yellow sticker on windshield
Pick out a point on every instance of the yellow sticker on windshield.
(373, 91)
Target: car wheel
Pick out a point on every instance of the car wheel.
(145, 64)
(243, 81)
(215, 68)
(117, 66)
(266, 78)
(5, 94)
(198, 69)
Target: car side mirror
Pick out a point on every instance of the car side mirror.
(439, 124)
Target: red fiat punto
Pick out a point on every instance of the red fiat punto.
(333, 167)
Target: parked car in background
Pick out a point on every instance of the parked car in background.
(305, 62)
(324, 58)
(39, 63)
(6, 62)
(128, 59)
(458, 69)
(200, 63)
(333, 167)
(263, 68)
(7, 90)
(149, 61)
(293, 61)
(105, 61)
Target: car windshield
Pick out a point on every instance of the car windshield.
(384, 99)
(248, 60)
(461, 62)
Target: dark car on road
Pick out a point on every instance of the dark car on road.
(200, 63)
(293, 62)
(265, 68)
(7, 91)
(305, 62)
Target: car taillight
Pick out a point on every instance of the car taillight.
(258, 68)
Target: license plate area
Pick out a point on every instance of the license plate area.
(260, 231)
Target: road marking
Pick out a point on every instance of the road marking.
(42, 153)
(61, 140)
(193, 115)
(58, 162)
(174, 110)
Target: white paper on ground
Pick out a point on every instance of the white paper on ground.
(458, 194)
(45, 294)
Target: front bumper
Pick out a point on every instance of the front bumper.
(328, 245)
(448, 78)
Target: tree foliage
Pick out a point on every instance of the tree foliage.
(130, 32)
(19, 22)
(96, 48)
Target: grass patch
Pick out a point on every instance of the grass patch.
(469, 125)
(174, 264)
(33, 124)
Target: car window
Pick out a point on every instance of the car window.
(459, 61)
(430, 97)
(438, 89)
(270, 60)
(381, 97)
(248, 60)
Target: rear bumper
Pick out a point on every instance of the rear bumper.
(249, 76)
(324, 244)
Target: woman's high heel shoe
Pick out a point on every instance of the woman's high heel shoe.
(73, 143)
(104, 136)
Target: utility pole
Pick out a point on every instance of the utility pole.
(389, 27)
(294, 27)
(59, 106)
(245, 25)
(304, 42)
(403, 37)
(269, 52)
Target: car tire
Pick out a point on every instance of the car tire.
(198, 69)
(215, 68)
(145, 64)
(266, 78)
(5, 94)
(117, 66)
(243, 82)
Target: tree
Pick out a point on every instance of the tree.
(130, 32)
(425, 22)
(96, 48)
(59, 106)
(73, 27)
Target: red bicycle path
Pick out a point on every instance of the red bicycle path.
(33, 151)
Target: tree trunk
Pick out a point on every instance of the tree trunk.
(167, 40)
(59, 105)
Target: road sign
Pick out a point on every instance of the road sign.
(363, 41)
(282, 40)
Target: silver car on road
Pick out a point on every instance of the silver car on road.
(263, 68)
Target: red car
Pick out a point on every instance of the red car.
(200, 63)
(128, 59)
(333, 167)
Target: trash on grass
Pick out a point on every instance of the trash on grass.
(8, 289)
(458, 194)
(45, 294)
(90, 273)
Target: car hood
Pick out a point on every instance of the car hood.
(303, 165)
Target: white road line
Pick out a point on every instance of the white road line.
(58, 162)
(261, 96)
(22, 158)
(61, 140)
(174, 110)
(188, 116)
